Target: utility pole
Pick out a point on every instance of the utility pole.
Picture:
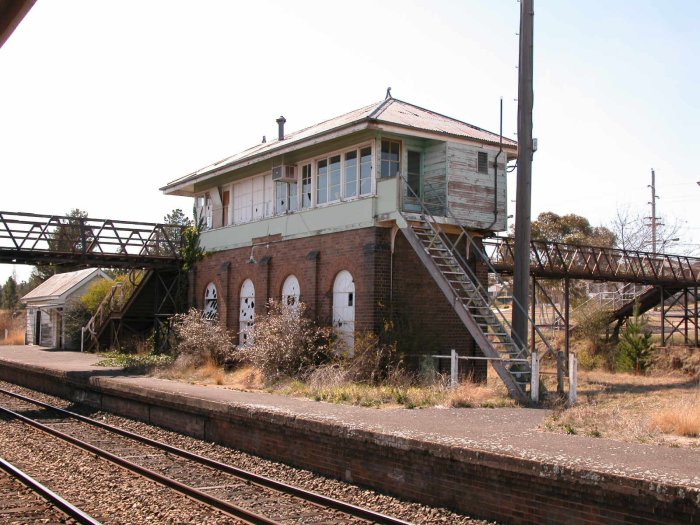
(653, 217)
(521, 272)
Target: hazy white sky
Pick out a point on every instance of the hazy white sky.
(103, 102)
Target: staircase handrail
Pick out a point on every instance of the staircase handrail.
(425, 211)
(113, 302)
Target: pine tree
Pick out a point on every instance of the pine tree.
(10, 297)
(635, 346)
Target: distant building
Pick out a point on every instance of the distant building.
(46, 303)
(317, 216)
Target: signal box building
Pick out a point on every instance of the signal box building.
(326, 215)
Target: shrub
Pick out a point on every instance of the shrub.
(592, 322)
(373, 361)
(199, 340)
(75, 316)
(635, 346)
(287, 343)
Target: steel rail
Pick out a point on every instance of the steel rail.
(202, 497)
(46, 493)
(312, 497)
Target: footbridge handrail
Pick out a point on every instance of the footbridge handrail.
(32, 238)
(558, 260)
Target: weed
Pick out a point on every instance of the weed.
(569, 429)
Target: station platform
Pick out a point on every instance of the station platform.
(492, 463)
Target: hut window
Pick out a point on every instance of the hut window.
(483, 162)
(391, 154)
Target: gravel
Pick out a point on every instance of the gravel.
(139, 501)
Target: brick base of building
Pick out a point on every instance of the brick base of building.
(393, 290)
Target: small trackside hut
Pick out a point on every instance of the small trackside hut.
(369, 217)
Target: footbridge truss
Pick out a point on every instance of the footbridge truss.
(667, 281)
(29, 238)
(151, 252)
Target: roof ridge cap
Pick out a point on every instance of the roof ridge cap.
(380, 108)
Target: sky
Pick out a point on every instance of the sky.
(103, 101)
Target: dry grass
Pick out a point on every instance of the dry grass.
(682, 420)
(469, 394)
(209, 373)
(630, 407)
(13, 326)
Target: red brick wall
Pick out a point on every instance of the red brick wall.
(315, 261)
(387, 287)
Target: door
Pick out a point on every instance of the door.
(344, 308)
(37, 327)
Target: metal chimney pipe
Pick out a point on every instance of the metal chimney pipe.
(280, 124)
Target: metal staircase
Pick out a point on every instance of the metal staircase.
(439, 252)
(115, 302)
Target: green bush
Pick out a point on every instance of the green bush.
(635, 346)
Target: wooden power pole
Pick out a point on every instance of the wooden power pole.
(524, 180)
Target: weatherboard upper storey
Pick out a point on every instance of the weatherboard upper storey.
(360, 169)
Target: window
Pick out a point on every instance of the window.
(321, 181)
(413, 174)
(350, 174)
(334, 185)
(243, 201)
(287, 198)
(204, 210)
(365, 171)
(246, 318)
(306, 186)
(390, 158)
(482, 162)
(290, 291)
(211, 304)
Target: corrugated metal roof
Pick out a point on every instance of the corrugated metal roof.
(390, 111)
(56, 285)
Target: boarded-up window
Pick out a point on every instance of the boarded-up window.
(483, 162)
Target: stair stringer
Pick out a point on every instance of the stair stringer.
(469, 322)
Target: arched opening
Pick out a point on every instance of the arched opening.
(344, 308)
(291, 292)
(247, 313)
(211, 302)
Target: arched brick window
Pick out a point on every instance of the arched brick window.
(291, 291)
(211, 302)
(344, 308)
(247, 313)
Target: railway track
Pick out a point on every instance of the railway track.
(247, 496)
(24, 500)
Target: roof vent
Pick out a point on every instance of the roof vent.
(280, 123)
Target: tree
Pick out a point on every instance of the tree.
(71, 237)
(10, 297)
(571, 229)
(635, 344)
(181, 221)
(633, 231)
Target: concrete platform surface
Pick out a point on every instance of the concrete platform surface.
(511, 432)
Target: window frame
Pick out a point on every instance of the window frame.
(389, 162)
(485, 156)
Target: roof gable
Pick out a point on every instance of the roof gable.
(62, 284)
(390, 111)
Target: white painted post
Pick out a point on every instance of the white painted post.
(573, 363)
(453, 368)
(6, 333)
(535, 378)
